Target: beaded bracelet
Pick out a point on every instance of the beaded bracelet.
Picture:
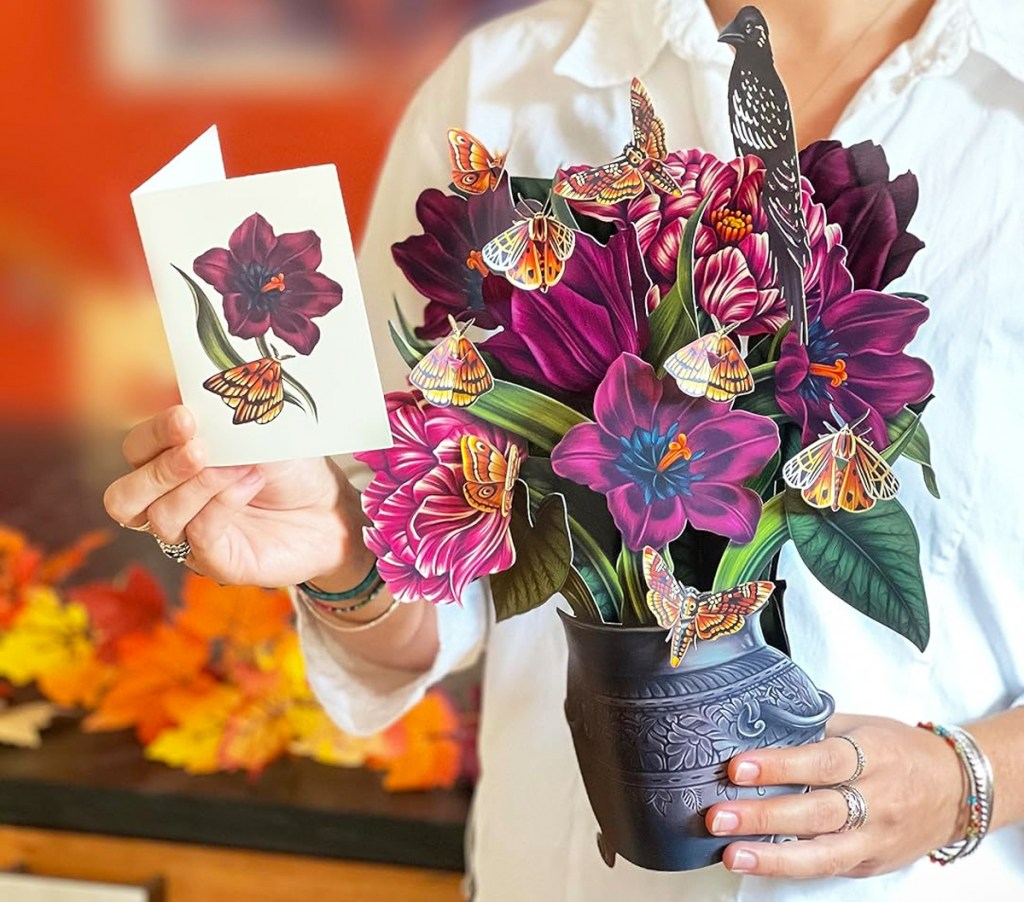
(980, 792)
(369, 583)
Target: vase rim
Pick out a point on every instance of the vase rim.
(606, 627)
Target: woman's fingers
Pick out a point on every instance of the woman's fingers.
(209, 529)
(126, 499)
(796, 814)
(170, 514)
(169, 428)
(823, 856)
(822, 763)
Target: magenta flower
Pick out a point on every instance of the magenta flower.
(430, 540)
(873, 210)
(663, 459)
(270, 282)
(734, 275)
(445, 265)
(854, 361)
(565, 339)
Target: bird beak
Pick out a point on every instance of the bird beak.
(728, 36)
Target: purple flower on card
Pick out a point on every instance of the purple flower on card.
(854, 361)
(734, 275)
(445, 265)
(270, 282)
(565, 339)
(431, 541)
(663, 459)
(873, 210)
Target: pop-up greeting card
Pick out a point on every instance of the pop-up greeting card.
(257, 285)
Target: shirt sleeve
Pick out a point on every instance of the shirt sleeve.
(363, 697)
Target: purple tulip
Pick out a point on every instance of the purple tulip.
(444, 264)
(854, 361)
(270, 282)
(873, 210)
(564, 339)
(430, 541)
(663, 459)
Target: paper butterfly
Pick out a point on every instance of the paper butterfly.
(689, 615)
(453, 374)
(253, 389)
(490, 476)
(474, 167)
(532, 253)
(841, 471)
(641, 162)
(711, 367)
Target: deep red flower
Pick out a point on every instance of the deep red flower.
(270, 282)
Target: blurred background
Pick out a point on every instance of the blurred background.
(99, 94)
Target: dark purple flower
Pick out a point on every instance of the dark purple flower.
(270, 282)
(873, 211)
(565, 339)
(663, 459)
(444, 264)
(854, 361)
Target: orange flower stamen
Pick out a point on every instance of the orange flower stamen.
(836, 373)
(475, 260)
(677, 450)
(276, 283)
(732, 226)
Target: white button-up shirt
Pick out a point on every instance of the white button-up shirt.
(948, 104)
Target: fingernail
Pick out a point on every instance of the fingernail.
(743, 862)
(724, 822)
(746, 772)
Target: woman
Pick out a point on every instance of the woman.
(941, 85)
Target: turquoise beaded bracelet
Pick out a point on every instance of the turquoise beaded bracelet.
(363, 592)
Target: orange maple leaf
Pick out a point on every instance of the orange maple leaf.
(430, 755)
(151, 666)
(134, 603)
(244, 616)
(194, 743)
(58, 567)
(18, 562)
(82, 683)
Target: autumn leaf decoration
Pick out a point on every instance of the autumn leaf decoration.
(216, 683)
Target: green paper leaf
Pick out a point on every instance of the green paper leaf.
(421, 345)
(631, 575)
(762, 402)
(527, 413)
(543, 557)
(868, 559)
(912, 444)
(763, 481)
(742, 563)
(577, 592)
(674, 322)
(214, 339)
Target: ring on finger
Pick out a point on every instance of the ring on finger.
(176, 551)
(145, 527)
(861, 759)
(856, 807)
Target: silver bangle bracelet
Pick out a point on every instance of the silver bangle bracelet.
(334, 622)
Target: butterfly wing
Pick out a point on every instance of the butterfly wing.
(452, 374)
(607, 184)
(529, 271)
(488, 486)
(561, 238)
(505, 251)
(253, 389)
(474, 167)
(665, 597)
(656, 175)
(724, 613)
(690, 366)
(729, 374)
(805, 468)
(645, 121)
(850, 493)
(874, 472)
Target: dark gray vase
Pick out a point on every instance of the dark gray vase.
(653, 742)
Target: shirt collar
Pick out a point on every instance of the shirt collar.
(623, 38)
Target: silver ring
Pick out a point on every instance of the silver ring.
(176, 551)
(856, 807)
(861, 760)
(145, 527)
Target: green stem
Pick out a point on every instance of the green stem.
(763, 372)
(742, 563)
(634, 607)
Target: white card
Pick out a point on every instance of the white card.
(249, 245)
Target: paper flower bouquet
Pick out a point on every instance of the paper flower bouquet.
(633, 384)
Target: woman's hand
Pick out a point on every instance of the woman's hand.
(270, 525)
(912, 782)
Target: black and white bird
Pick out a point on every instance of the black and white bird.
(762, 124)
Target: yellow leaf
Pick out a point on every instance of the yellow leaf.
(194, 745)
(46, 636)
(20, 725)
(319, 738)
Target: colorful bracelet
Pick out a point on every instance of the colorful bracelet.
(368, 584)
(980, 792)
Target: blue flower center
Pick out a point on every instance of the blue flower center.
(827, 369)
(659, 463)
